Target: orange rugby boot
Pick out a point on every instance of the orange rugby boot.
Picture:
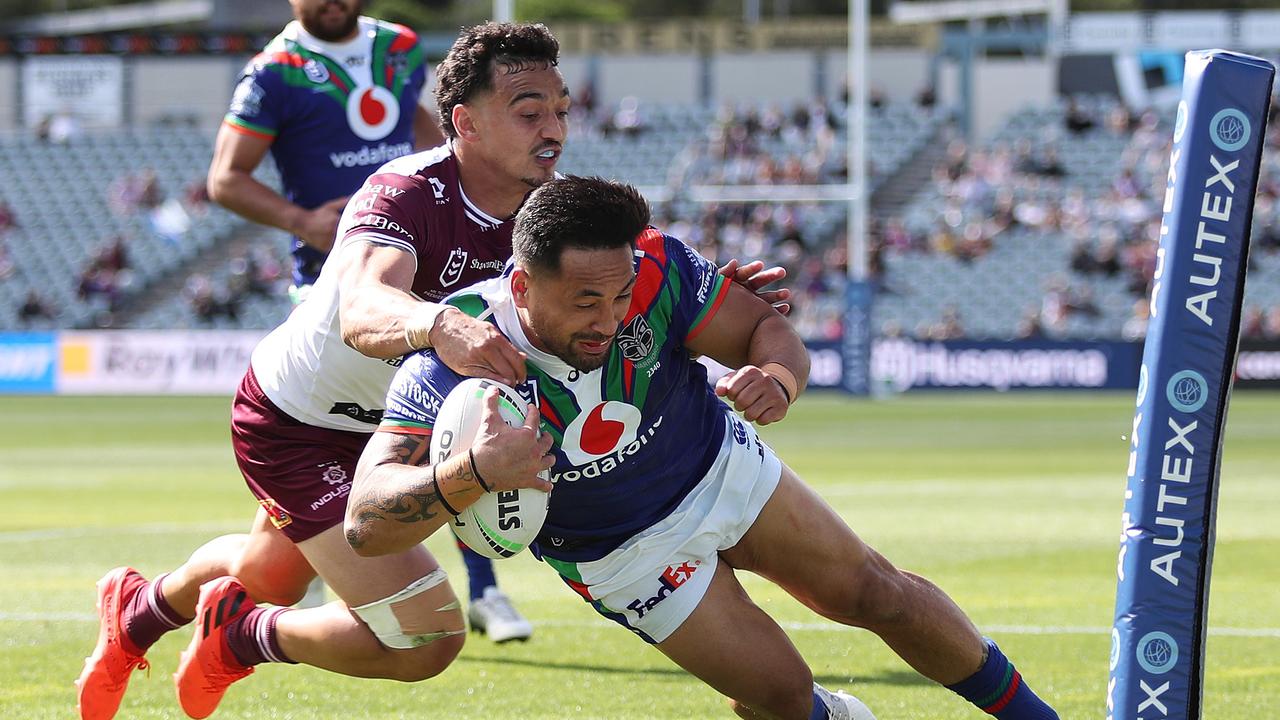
(106, 672)
(207, 668)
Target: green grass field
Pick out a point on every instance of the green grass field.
(1009, 502)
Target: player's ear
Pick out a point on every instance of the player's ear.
(520, 288)
(464, 123)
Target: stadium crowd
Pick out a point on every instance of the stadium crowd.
(978, 196)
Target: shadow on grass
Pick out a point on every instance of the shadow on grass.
(893, 677)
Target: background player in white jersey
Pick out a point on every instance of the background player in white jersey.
(314, 393)
(335, 96)
(609, 314)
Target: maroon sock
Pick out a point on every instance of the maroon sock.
(147, 615)
(252, 637)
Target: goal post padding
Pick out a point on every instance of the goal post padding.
(1166, 550)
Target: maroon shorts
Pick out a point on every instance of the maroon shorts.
(301, 474)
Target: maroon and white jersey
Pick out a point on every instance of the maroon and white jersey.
(415, 204)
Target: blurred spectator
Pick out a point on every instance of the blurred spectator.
(1076, 119)
(34, 309)
(63, 127)
(41, 129)
(948, 327)
(170, 221)
(927, 97)
(98, 286)
(1253, 324)
(1029, 327)
(208, 303)
(585, 99)
(114, 256)
(1135, 328)
(195, 197)
(106, 278)
(8, 220)
(129, 193)
(1061, 301)
(627, 121)
(1271, 329)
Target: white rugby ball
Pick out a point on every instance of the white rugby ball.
(499, 524)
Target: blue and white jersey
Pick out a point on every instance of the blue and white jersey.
(334, 112)
(631, 438)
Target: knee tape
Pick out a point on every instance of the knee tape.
(381, 617)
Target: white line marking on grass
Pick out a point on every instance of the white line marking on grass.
(47, 616)
(64, 533)
(798, 626)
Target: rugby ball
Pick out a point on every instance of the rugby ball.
(499, 524)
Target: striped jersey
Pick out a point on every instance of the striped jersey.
(415, 204)
(334, 112)
(633, 437)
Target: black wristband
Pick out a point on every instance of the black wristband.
(471, 455)
(785, 392)
(440, 493)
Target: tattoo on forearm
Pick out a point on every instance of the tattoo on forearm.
(404, 506)
(410, 449)
(407, 506)
(461, 473)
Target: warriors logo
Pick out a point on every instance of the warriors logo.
(636, 339)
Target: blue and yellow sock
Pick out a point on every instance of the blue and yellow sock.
(998, 690)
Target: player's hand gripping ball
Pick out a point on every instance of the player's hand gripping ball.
(499, 524)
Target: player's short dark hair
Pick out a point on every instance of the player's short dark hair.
(467, 70)
(587, 213)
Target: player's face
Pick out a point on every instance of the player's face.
(328, 20)
(522, 122)
(574, 314)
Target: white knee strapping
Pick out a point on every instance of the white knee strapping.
(382, 620)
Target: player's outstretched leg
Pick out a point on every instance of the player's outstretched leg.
(209, 665)
(801, 544)
(735, 647)
(106, 672)
(491, 611)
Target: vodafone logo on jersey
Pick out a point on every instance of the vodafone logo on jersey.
(372, 112)
(602, 430)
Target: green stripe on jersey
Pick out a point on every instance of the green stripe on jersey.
(566, 569)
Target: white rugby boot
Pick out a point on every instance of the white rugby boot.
(843, 706)
(495, 616)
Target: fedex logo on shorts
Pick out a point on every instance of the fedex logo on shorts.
(671, 579)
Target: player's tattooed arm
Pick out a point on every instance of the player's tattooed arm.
(395, 502)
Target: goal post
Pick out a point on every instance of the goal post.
(1166, 548)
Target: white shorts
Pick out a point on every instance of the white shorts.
(653, 581)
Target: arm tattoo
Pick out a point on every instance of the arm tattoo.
(461, 472)
(409, 449)
(405, 506)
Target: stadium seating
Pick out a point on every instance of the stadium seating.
(1042, 221)
(60, 197)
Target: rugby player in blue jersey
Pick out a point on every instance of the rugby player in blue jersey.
(661, 492)
(422, 226)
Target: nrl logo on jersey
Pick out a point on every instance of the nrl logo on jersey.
(453, 267)
(636, 340)
(316, 71)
